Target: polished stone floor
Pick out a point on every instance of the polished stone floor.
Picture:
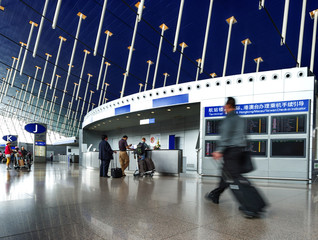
(57, 201)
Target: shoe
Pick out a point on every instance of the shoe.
(249, 214)
(107, 176)
(124, 175)
(8, 168)
(212, 197)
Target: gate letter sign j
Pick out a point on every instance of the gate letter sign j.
(34, 128)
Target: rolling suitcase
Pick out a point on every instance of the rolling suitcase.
(250, 200)
(115, 171)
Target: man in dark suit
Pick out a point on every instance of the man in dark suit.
(105, 155)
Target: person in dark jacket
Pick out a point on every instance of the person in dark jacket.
(105, 155)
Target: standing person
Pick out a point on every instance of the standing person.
(51, 157)
(8, 152)
(144, 146)
(105, 155)
(123, 156)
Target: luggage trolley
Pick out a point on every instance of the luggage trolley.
(144, 167)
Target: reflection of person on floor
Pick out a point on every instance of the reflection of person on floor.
(105, 155)
(51, 157)
(8, 152)
(123, 156)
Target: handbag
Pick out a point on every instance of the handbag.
(246, 162)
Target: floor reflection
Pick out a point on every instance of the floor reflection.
(61, 201)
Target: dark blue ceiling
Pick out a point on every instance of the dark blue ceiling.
(120, 17)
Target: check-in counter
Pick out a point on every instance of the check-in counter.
(166, 161)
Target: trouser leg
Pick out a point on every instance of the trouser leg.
(8, 161)
(107, 166)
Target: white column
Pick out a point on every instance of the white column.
(245, 43)
(301, 33)
(284, 29)
(258, 61)
(73, 95)
(140, 6)
(104, 96)
(90, 99)
(230, 21)
(100, 27)
(163, 28)
(35, 75)
(87, 84)
(33, 24)
(25, 92)
(183, 46)
(81, 16)
(42, 79)
(147, 76)
(17, 64)
(175, 44)
(206, 36)
(40, 28)
(313, 15)
(82, 71)
(56, 14)
(198, 69)
(140, 86)
(104, 79)
(108, 34)
(165, 80)
(57, 59)
(53, 95)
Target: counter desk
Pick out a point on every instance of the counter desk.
(166, 161)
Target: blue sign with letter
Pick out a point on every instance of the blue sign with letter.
(35, 128)
(9, 138)
(262, 108)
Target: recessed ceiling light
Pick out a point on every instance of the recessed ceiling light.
(152, 112)
(138, 114)
(117, 119)
(188, 107)
(169, 110)
(98, 124)
(110, 121)
(104, 122)
(127, 116)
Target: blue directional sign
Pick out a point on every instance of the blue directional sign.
(9, 138)
(35, 128)
(262, 108)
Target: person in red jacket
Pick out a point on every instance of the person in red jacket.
(8, 152)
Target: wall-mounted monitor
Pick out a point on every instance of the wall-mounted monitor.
(288, 124)
(210, 147)
(256, 125)
(257, 147)
(212, 126)
(288, 148)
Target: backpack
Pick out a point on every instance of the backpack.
(140, 150)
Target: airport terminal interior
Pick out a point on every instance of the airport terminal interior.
(73, 71)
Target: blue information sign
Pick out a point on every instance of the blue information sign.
(262, 108)
(40, 143)
(9, 138)
(35, 128)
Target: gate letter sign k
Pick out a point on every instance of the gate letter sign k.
(9, 138)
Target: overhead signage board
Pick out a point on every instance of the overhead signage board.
(261, 108)
(35, 128)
